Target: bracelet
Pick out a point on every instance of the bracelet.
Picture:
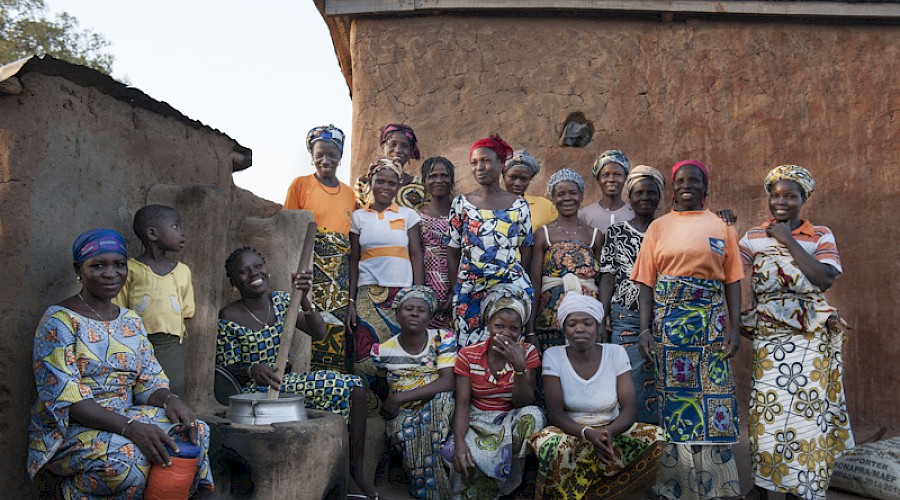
(583, 430)
(166, 402)
(307, 312)
(351, 300)
(250, 370)
(646, 330)
(130, 420)
(520, 373)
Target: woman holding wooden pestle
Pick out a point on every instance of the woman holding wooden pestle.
(249, 335)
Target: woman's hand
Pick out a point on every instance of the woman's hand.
(603, 444)
(264, 375)
(732, 342)
(727, 216)
(303, 281)
(781, 231)
(178, 412)
(646, 345)
(352, 318)
(462, 457)
(152, 441)
(512, 352)
(391, 406)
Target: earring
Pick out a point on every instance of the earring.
(77, 279)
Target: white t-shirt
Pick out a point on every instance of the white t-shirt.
(384, 245)
(593, 401)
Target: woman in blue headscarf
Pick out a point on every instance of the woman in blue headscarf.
(104, 412)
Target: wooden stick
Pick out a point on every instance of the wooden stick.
(290, 319)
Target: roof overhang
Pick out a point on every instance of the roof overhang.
(339, 14)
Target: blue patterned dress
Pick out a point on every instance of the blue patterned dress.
(112, 363)
(489, 241)
(238, 345)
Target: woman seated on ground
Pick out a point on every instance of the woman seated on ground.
(590, 401)
(566, 250)
(517, 175)
(494, 386)
(419, 364)
(104, 412)
(257, 318)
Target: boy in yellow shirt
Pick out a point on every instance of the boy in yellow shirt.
(159, 288)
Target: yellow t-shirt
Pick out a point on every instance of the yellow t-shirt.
(162, 302)
(543, 211)
(696, 244)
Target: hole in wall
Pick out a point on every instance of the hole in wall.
(577, 131)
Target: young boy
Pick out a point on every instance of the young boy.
(160, 289)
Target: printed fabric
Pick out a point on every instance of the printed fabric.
(621, 245)
(497, 442)
(410, 195)
(376, 323)
(489, 241)
(421, 427)
(240, 346)
(626, 328)
(689, 472)
(435, 233)
(695, 385)
(331, 274)
(569, 466)
(798, 413)
(112, 363)
(562, 258)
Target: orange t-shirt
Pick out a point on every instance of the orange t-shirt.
(331, 207)
(696, 244)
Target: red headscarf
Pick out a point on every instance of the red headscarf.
(703, 170)
(495, 143)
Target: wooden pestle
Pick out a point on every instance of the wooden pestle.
(290, 319)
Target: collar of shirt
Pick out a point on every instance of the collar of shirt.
(393, 207)
(806, 227)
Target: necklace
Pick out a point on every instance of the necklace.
(268, 314)
(325, 188)
(566, 232)
(109, 322)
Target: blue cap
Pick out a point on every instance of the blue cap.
(186, 449)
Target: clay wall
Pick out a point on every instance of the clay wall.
(73, 158)
(742, 95)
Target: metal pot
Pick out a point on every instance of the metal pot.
(255, 409)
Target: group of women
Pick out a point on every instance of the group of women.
(492, 324)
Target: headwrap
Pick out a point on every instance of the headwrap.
(417, 292)
(495, 143)
(506, 296)
(385, 163)
(611, 156)
(327, 133)
(640, 173)
(794, 173)
(405, 130)
(521, 158)
(695, 163)
(563, 175)
(96, 242)
(575, 302)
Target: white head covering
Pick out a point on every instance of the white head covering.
(575, 302)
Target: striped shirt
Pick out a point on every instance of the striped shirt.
(817, 241)
(490, 394)
(406, 371)
(384, 245)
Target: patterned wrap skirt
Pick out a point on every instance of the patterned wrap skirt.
(497, 442)
(570, 469)
(331, 274)
(626, 327)
(418, 433)
(376, 323)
